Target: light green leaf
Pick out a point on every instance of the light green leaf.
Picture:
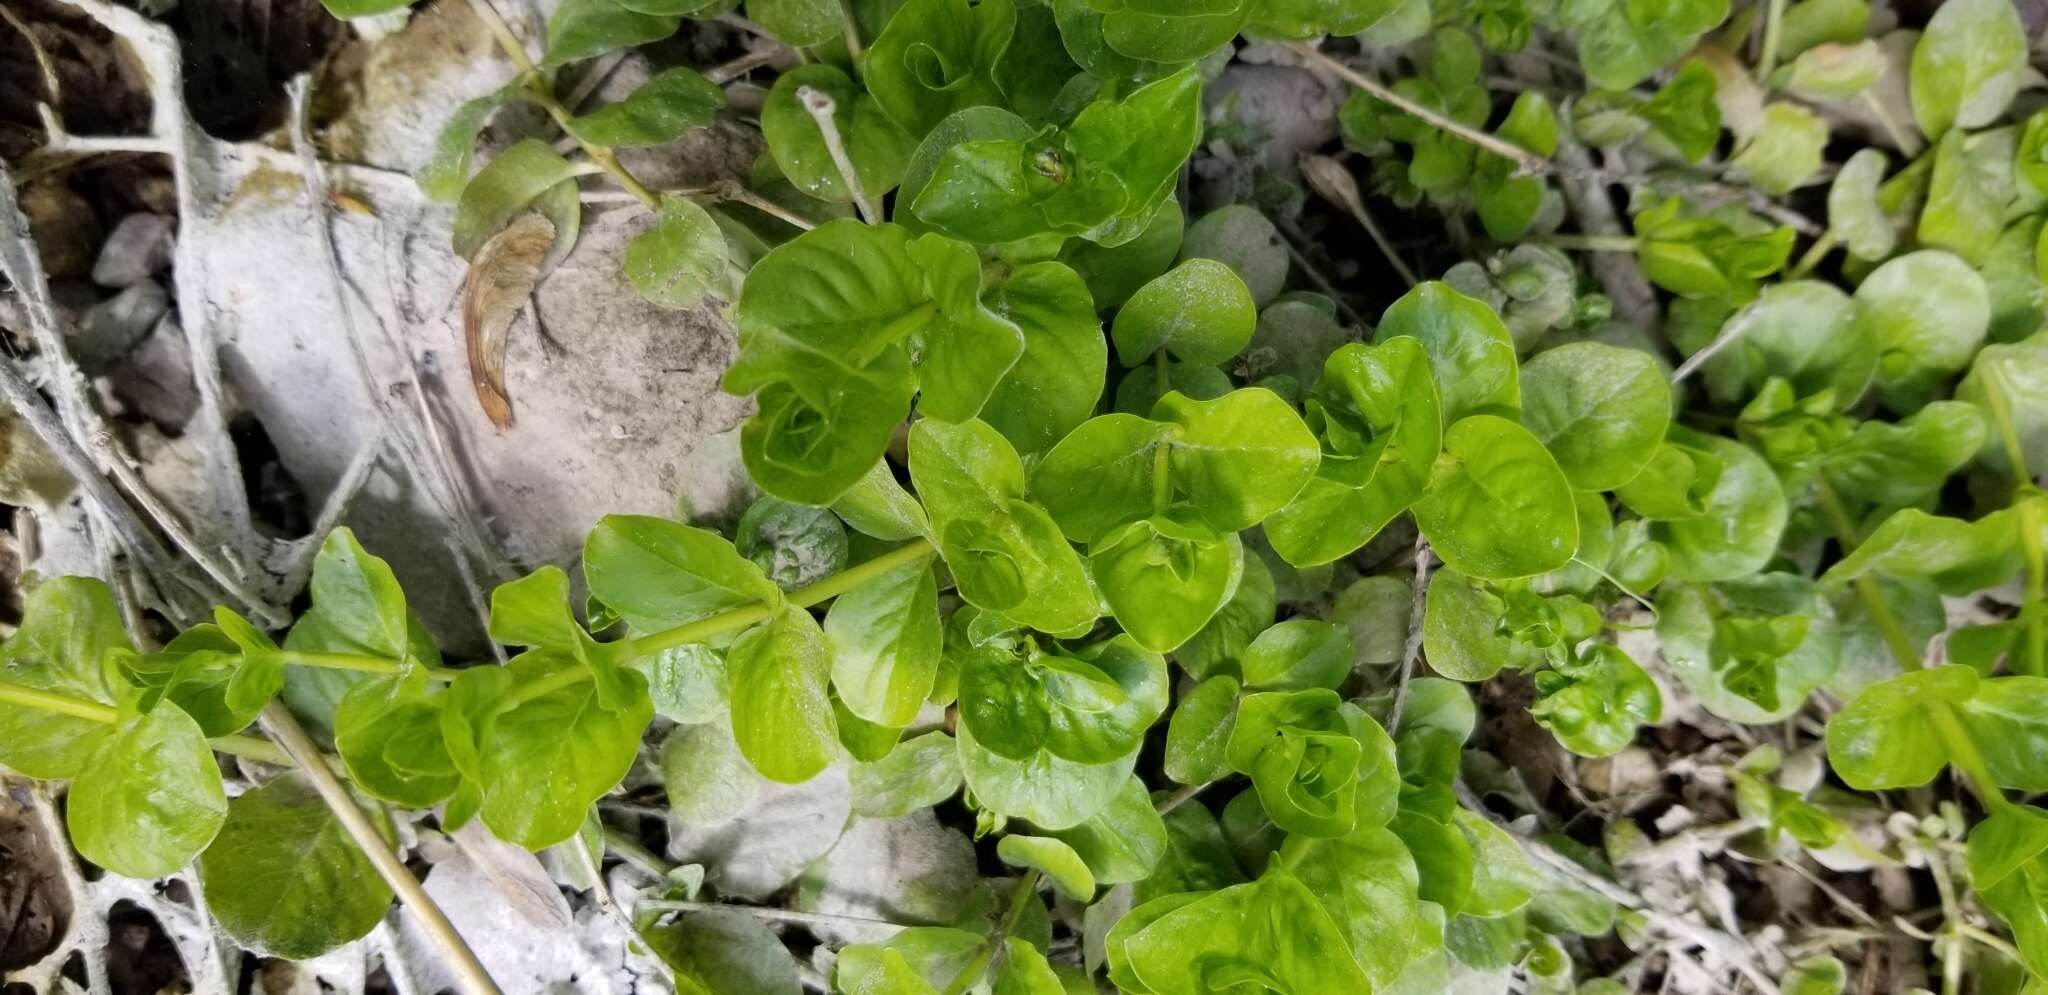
(1164, 579)
(1272, 932)
(878, 148)
(585, 29)
(70, 626)
(1593, 705)
(1116, 272)
(920, 772)
(149, 798)
(506, 186)
(1928, 312)
(1784, 152)
(656, 112)
(446, 172)
(548, 751)
(878, 506)
(1885, 738)
(1599, 409)
(1959, 557)
(937, 57)
(1297, 654)
(1059, 377)
(1621, 43)
(1968, 194)
(1752, 649)
(1052, 793)
(658, 574)
(1854, 214)
(1497, 506)
(1200, 730)
(1470, 351)
(707, 779)
(802, 23)
(1743, 515)
(1967, 65)
(781, 716)
(1200, 311)
(885, 640)
(1062, 866)
(725, 953)
(681, 260)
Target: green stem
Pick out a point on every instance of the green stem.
(1026, 889)
(851, 29)
(1592, 243)
(2037, 586)
(2001, 413)
(1867, 589)
(1814, 254)
(250, 747)
(1773, 22)
(746, 615)
(1963, 755)
(359, 662)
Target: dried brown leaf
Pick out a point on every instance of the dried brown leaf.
(501, 279)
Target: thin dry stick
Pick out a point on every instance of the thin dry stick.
(1412, 653)
(1526, 162)
(770, 915)
(741, 66)
(821, 107)
(353, 477)
(277, 720)
(1329, 178)
(1729, 333)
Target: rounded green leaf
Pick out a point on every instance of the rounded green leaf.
(1052, 793)
(1752, 649)
(1238, 458)
(1600, 410)
(1199, 731)
(920, 772)
(1200, 311)
(69, 627)
(1062, 866)
(725, 953)
(550, 749)
(1743, 518)
(799, 23)
(388, 733)
(1927, 312)
(1171, 30)
(1470, 351)
(1369, 885)
(1460, 627)
(1855, 214)
(585, 29)
(503, 188)
(707, 779)
(284, 879)
(1114, 273)
(150, 797)
(1102, 474)
(1497, 505)
(1273, 928)
(1967, 65)
(1125, 841)
(1297, 654)
(1593, 705)
(1165, 579)
(878, 148)
(971, 124)
(1249, 610)
(657, 111)
(681, 260)
(885, 638)
(795, 545)
(936, 57)
(1244, 239)
(1057, 380)
(657, 574)
(781, 715)
(1884, 737)
(1316, 760)
(2006, 718)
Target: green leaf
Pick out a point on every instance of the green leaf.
(506, 186)
(346, 9)
(1200, 311)
(879, 507)
(1200, 730)
(1743, 515)
(1058, 378)
(1170, 31)
(2006, 717)
(658, 574)
(1376, 411)
(1006, 554)
(725, 953)
(687, 683)
(548, 750)
(1052, 793)
(1164, 579)
(707, 779)
(388, 733)
(681, 260)
(1750, 650)
(795, 545)
(1241, 237)
(1502, 879)
(1959, 557)
(1892, 465)
(1497, 506)
(1272, 932)
(284, 879)
(967, 125)
(70, 627)
(1593, 705)
(1884, 737)
(1321, 766)
(1297, 654)
(2008, 871)
(780, 714)
(1309, 18)
(1090, 708)
(2019, 367)
(1713, 254)
(1622, 43)
(802, 23)
(358, 594)
(655, 113)
(1928, 313)
(1854, 213)
(876, 145)
(1368, 884)
(149, 797)
(1116, 272)
(1967, 195)
(885, 640)
(1967, 65)
(1784, 151)
(1062, 866)
(1229, 462)
(1102, 177)
(1470, 352)
(586, 29)
(1035, 67)
(937, 57)
(1244, 616)
(1803, 331)
(1683, 110)
(446, 172)
(1599, 409)
(920, 772)
(1461, 625)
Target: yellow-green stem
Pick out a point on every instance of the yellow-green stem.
(1814, 254)
(1773, 22)
(1963, 755)
(250, 747)
(360, 662)
(1592, 243)
(1026, 889)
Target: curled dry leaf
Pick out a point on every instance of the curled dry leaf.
(501, 279)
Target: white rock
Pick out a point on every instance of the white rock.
(763, 848)
(137, 249)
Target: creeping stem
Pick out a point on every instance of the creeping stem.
(249, 747)
(1027, 888)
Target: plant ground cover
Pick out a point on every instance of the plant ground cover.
(1554, 512)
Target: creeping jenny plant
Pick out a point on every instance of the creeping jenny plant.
(1162, 630)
